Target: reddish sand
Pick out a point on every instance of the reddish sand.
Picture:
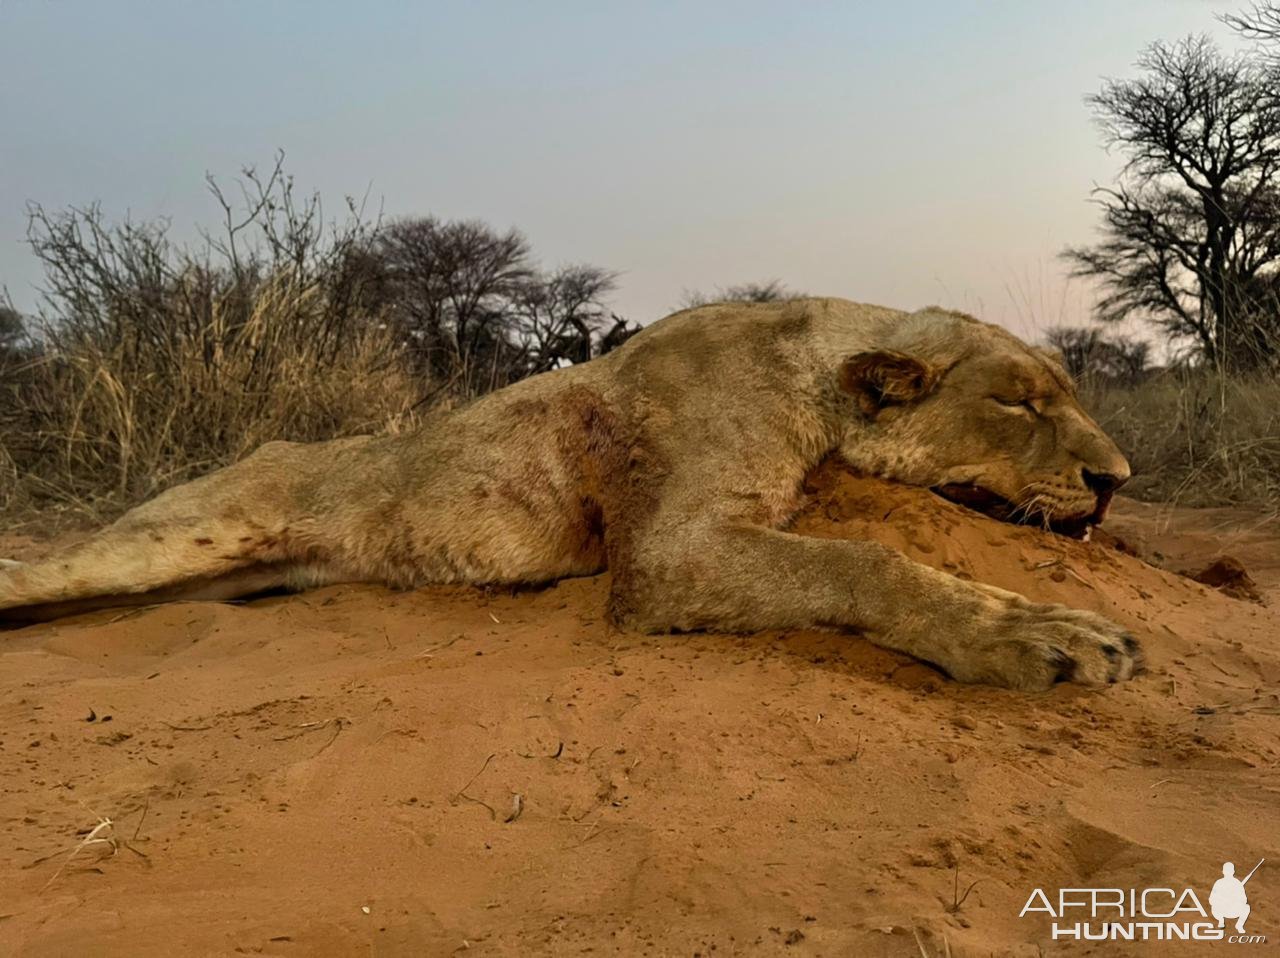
(338, 772)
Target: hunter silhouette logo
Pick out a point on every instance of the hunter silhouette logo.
(1149, 914)
(1228, 898)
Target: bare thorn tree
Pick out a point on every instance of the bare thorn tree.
(478, 311)
(1191, 236)
(559, 316)
(448, 286)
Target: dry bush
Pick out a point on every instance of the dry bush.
(769, 291)
(98, 426)
(1195, 436)
(153, 363)
(1089, 353)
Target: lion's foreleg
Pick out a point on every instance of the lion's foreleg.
(747, 578)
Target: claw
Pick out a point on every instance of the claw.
(1134, 651)
(1064, 665)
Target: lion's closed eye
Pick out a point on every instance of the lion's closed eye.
(1021, 405)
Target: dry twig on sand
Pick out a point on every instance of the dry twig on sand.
(462, 792)
(102, 833)
(957, 899)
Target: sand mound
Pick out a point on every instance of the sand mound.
(333, 773)
(1228, 574)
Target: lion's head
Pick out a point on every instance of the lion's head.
(980, 417)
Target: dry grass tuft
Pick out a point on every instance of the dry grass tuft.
(1196, 437)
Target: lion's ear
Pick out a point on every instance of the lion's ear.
(884, 378)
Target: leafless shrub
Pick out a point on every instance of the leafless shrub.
(771, 291)
(1091, 354)
(156, 362)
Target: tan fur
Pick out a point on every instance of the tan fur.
(675, 462)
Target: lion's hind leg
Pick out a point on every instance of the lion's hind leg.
(137, 556)
(205, 530)
(208, 534)
(250, 581)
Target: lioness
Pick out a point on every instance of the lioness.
(675, 462)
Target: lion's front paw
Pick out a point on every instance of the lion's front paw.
(1032, 647)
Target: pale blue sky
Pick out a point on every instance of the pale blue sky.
(899, 153)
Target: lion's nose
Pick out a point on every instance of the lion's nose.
(1104, 482)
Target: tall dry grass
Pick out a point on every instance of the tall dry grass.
(94, 423)
(152, 362)
(1195, 436)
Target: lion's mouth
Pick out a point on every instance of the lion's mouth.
(983, 500)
